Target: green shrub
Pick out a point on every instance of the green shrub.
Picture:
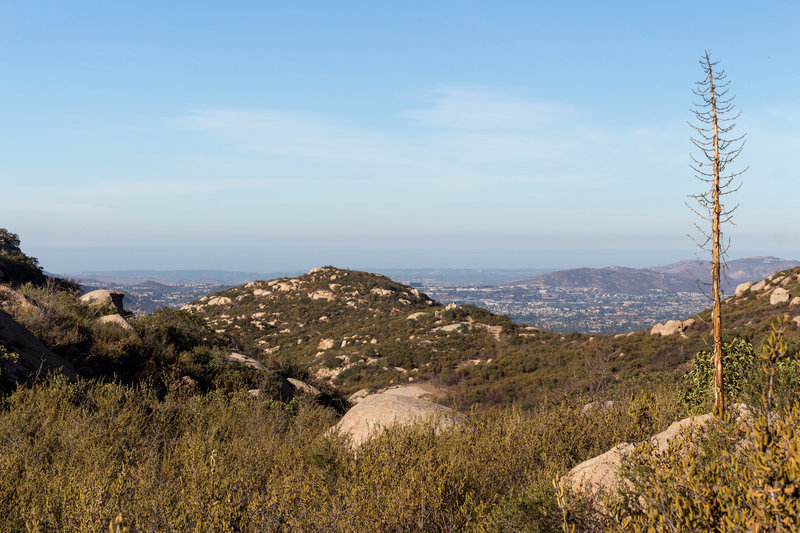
(738, 362)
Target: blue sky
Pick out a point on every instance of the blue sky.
(268, 136)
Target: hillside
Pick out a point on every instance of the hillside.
(350, 330)
(737, 270)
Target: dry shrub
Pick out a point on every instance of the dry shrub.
(79, 456)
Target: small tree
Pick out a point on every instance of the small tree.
(715, 120)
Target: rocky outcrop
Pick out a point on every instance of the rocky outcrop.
(303, 388)
(758, 287)
(325, 344)
(34, 357)
(671, 327)
(740, 288)
(245, 360)
(600, 475)
(103, 298)
(376, 412)
(219, 300)
(779, 296)
(116, 320)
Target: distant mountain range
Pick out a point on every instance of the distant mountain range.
(684, 276)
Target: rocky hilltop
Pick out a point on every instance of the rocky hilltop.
(351, 329)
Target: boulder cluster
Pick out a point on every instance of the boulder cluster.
(671, 327)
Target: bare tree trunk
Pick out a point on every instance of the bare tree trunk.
(716, 311)
(715, 120)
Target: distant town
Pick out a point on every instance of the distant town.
(586, 310)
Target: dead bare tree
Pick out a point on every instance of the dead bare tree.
(715, 120)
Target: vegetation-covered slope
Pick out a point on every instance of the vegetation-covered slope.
(353, 330)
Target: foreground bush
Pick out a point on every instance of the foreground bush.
(77, 456)
(741, 474)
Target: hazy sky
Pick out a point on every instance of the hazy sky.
(267, 136)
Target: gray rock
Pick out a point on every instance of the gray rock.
(116, 320)
(376, 412)
(740, 288)
(325, 344)
(103, 298)
(671, 327)
(303, 387)
(600, 475)
(779, 296)
(758, 287)
(357, 396)
(245, 360)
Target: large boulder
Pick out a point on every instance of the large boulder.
(740, 288)
(376, 412)
(117, 321)
(758, 287)
(670, 327)
(600, 475)
(779, 296)
(34, 357)
(103, 298)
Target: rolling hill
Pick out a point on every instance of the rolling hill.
(683, 276)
